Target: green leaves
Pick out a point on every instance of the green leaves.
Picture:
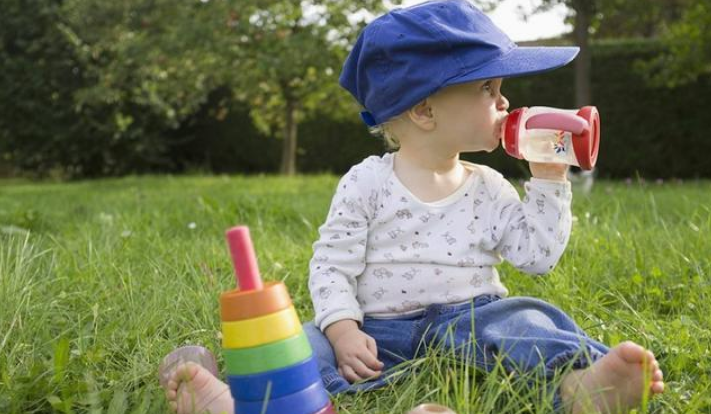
(689, 50)
(681, 24)
(107, 84)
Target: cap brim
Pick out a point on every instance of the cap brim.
(521, 61)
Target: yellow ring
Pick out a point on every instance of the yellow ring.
(262, 330)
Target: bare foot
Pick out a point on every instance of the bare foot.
(615, 384)
(194, 390)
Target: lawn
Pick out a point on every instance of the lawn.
(100, 279)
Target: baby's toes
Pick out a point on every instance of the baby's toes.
(658, 387)
(650, 358)
(658, 375)
(631, 352)
(171, 395)
(187, 371)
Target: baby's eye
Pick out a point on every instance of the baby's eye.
(488, 87)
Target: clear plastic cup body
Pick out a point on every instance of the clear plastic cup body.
(430, 409)
(190, 353)
(547, 145)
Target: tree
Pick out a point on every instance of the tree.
(160, 59)
(38, 75)
(148, 65)
(290, 55)
(688, 45)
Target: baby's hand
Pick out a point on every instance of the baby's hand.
(356, 352)
(357, 356)
(549, 171)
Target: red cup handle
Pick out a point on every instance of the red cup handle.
(558, 121)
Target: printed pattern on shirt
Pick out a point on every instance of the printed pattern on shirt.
(383, 253)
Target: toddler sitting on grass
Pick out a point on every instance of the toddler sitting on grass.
(408, 251)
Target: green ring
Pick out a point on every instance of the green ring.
(280, 354)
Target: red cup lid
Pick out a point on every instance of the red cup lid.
(587, 143)
(512, 129)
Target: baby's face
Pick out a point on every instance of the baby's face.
(469, 115)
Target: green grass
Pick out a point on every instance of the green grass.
(99, 280)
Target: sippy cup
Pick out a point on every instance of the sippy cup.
(563, 136)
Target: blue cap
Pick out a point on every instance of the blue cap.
(409, 54)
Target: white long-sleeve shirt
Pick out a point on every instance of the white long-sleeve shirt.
(385, 253)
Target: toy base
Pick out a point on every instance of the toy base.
(191, 353)
(431, 409)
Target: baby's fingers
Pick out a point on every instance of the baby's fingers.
(362, 370)
(348, 373)
(371, 358)
(372, 346)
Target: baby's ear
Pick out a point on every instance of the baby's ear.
(422, 116)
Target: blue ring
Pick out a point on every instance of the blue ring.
(306, 401)
(284, 381)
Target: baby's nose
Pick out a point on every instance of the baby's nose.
(503, 103)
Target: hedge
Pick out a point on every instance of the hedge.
(649, 131)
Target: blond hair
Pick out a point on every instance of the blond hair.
(384, 131)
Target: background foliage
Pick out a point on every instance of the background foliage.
(653, 131)
(92, 88)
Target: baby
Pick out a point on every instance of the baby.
(406, 258)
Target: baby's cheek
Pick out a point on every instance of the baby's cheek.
(484, 124)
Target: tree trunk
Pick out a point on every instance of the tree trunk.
(583, 11)
(288, 152)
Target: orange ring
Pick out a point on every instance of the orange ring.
(237, 305)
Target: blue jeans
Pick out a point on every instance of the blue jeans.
(525, 334)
